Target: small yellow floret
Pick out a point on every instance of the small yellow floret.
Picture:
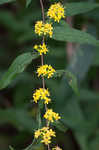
(51, 116)
(46, 70)
(48, 29)
(43, 29)
(56, 12)
(42, 49)
(37, 133)
(41, 94)
(39, 27)
(46, 134)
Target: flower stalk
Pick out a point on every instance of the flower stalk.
(42, 28)
(42, 59)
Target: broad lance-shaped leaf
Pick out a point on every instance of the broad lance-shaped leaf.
(81, 61)
(18, 118)
(64, 33)
(79, 8)
(71, 79)
(92, 97)
(60, 126)
(79, 66)
(18, 66)
(6, 1)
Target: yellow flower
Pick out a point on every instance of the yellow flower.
(56, 148)
(48, 29)
(37, 133)
(51, 116)
(45, 128)
(46, 135)
(46, 140)
(42, 49)
(43, 29)
(41, 94)
(39, 27)
(46, 70)
(52, 133)
(56, 12)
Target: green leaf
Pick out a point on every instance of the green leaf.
(17, 67)
(39, 120)
(72, 114)
(72, 80)
(82, 140)
(79, 8)
(14, 25)
(59, 125)
(78, 66)
(28, 2)
(11, 148)
(94, 144)
(6, 1)
(96, 58)
(81, 61)
(70, 77)
(64, 33)
(19, 118)
(92, 97)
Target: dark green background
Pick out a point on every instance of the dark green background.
(78, 106)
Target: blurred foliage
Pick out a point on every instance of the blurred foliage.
(74, 88)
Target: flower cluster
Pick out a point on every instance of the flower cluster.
(46, 70)
(46, 135)
(56, 12)
(43, 28)
(41, 94)
(42, 49)
(51, 116)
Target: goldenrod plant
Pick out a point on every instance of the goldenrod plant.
(44, 28)
(51, 100)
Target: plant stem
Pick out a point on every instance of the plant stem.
(42, 7)
(42, 58)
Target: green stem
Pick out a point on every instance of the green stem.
(42, 58)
